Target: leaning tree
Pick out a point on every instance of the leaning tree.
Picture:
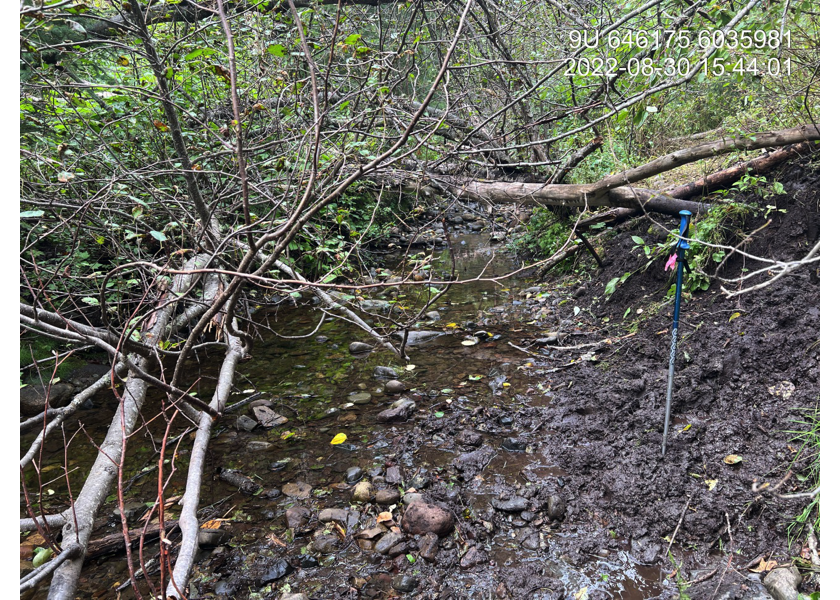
(177, 156)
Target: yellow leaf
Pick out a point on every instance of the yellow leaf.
(711, 483)
(734, 316)
(733, 459)
(452, 325)
(582, 594)
(687, 427)
(505, 384)
(339, 439)
(122, 61)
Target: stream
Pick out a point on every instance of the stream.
(468, 378)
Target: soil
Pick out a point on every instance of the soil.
(549, 454)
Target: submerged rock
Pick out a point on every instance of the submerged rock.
(384, 373)
(338, 515)
(421, 518)
(359, 347)
(267, 417)
(417, 337)
(34, 396)
(394, 387)
(297, 489)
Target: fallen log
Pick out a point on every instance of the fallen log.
(115, 542)
(727, 177)
(613, 190)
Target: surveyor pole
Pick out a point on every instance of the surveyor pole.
(682, 246)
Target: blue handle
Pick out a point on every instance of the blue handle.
(685, 215)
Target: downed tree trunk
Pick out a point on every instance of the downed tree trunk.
(727, 177)
(80, 516)
(613, 190)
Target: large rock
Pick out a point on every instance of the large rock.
(398, 411)
(782, 583)
(34, 396)
(421, 518)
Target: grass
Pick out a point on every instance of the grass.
(808, 436)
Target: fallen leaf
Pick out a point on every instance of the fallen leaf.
(582, 594)
(410, 367)
(733, 459)
(765, 565)
(711, 483)
(734, 316)
(384, 517)
(687, 427)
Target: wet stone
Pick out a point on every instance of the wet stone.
(297, 516)
(271, 494)
(556, 508)
(387, 496)
(279, 465)
(210, 538)
(515, 504)
(405, 583)
(517, 522)
(394, 387)
(413, 497)
(398, 411)
(353, 474)
(224, 588)
(384, 373)
(363, 492)
(468, 437)
(359, 398)
(473, 557)
(392, 475)
(513, 444)
(274, 570)
(419, 482)
(782, 583)
(429, 546)
(246, 423)
(388, 541)
(400, 548)
(359, 347)
(267, 417)
(531, 541)
(257, 446)
(296, 596)
(297, 489)
(421, 517)
(325, 544)
(339, 515)
(433, 315)
(322, 339)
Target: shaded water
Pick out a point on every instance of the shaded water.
(313, 381)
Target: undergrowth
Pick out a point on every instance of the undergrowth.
(807, 435)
